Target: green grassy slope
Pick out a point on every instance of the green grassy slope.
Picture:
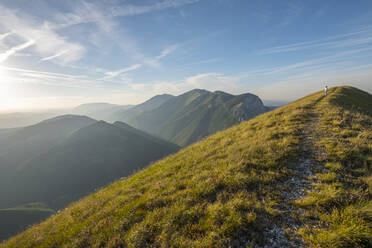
(245, 186)
(341, 196)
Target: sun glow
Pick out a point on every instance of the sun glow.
(6, 89)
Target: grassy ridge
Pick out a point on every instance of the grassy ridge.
(223, 191)
(342, 196)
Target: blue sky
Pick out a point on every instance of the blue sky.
(56, 54)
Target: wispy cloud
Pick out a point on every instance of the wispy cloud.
(3, 36)
(341, 40)
(113, 74)
(54, 56)
(5, 55)
(127, 10)
(155, 62)
(345, 55)
(86, 12)
(167, 51)
(105, 17)
(46, 41)
(36, 73)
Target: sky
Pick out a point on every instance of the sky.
(58, 54)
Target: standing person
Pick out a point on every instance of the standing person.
(325, 90)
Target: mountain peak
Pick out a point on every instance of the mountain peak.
(161, 96)
(220, 92)
(67, 117)
(199, 91)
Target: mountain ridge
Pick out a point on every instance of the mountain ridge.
(152, 103)
(240, 187)
(196, 114)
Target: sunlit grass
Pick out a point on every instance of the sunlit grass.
(342, 196)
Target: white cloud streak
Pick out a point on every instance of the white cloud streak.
(54, 56)
(327, 60)
(113, 74)
(5, 55)
(86, 12)
(167, 51)
(128, 10)
(341, 40)
(3, 36)
(39, 72)
(47, 41)
(155, 62)
(104, 17)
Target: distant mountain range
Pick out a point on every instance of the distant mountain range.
(62, 159)
(99, 111)
(135, 111)
(189, 117)
(182, 119)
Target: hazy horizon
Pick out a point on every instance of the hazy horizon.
(57, 55)
(67, 109)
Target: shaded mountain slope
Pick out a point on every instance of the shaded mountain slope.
(296, 176)
(88, 158)
(38, 138)
(66, 158)
(20, 145)
(196, 114)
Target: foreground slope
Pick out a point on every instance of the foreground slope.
(297, 176)
(189, 117)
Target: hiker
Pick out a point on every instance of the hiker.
(325, 90)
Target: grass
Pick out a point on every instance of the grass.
(341, 198)
(223, 191)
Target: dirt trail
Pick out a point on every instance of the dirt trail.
(294, 189)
